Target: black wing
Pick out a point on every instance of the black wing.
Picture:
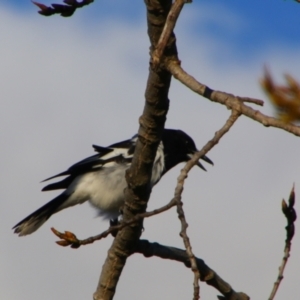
(82, 166)
(91, 163)
(119, 152)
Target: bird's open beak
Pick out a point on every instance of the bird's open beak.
(205, 158)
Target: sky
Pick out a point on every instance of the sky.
(68, 83)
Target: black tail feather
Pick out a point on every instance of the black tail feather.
(40, 216)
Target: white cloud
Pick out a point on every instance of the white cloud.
(65, 86)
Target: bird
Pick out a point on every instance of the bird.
(100, 179)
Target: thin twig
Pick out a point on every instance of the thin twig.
(230, 101)
(290, 214)
(251, 100)
(167, 31)
(188, 247)
(70, 239)
(179, 189)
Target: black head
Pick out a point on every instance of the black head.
(179, 147)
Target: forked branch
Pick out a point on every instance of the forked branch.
(179, 189)
(139, 174)
(230, 101)
(207, 275)
(167, 31)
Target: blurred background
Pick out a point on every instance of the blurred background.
(68, 83)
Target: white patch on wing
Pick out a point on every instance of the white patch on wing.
(134, 139)
(158, 165)
(116, 152)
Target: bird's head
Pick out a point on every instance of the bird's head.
(179, 147)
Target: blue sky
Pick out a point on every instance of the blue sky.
(262, 21)
(69, 83)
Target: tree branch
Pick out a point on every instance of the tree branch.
(167, 31)
(230, 101)
(291, 216)
(179, 189)
(208, 275)
(139, 174)
(70, 239)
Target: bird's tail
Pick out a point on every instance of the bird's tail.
(35, 220)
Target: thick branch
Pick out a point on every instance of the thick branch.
(139, 175)
(208, 275)
(229, 100)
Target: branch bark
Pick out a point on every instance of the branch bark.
(230, 101)
(208, 275)
(167, 31)
(138, 176)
